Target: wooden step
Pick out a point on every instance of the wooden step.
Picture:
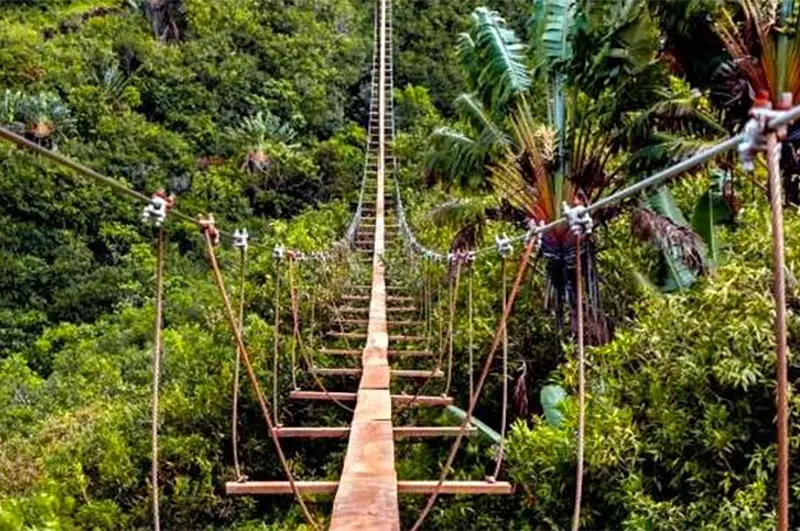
(365, 322)
(389, 288)
(397, 373)
(268, 488)
(363, 335)
(400, 432)
(391, 353)
(423, 400)
(388, 310)
(389, 298)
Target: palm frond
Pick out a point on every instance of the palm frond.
(504, 75)
(473, 111)
(668, 149)
(455, 156)
(468, 58)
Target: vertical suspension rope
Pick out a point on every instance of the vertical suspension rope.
(157, 350)
(237, 367)
(471, 318)
(779, 287)
(234, 327)
(440, 319)
(504, 413)
(276, 343)
(473, 401)
(450, 326)
(576, 517)
(295, 324)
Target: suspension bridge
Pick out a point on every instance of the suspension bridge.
(381, 324)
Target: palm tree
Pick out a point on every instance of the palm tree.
(256, 132)
(581, 57)
(43, 118)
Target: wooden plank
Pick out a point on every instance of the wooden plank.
(403, 487)
(422, 400)
(375, 376)
(395, 373)
(411, 353)
(400, 432)
(390, 353)
(365, 309)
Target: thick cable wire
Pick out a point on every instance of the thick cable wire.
(234, 326)
(576, 517)
(523, 265)
(158, 346)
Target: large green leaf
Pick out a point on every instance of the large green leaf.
(550, 29)
(551, 397)
(711, 210)
(678, 275)
(488, 432)
(473, 111)
(504, 74)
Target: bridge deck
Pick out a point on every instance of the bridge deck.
(366, 497)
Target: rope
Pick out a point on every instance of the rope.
(481, 381)
(779, 285)
(581, 385)
(504, 414)
(157, 350)
(450, 332)
(295, 325)
(276, 343)
(235, 422)
(472, 329)
(299, 341)
(237, 336)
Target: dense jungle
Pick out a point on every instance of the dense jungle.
(505, 112)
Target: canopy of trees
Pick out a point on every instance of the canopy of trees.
(255, 110)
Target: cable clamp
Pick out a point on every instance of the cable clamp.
(208, 227)
(579, 219)
(241, 239)
(156, 210)
(757, 127)
(503, 245)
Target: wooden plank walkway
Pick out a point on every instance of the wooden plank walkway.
(366, 495)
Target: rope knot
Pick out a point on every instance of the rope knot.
(241, 239)
(156, 210)
(579, 219)
(503, 245)
(208, 227)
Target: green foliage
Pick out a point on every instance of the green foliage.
(679, 418)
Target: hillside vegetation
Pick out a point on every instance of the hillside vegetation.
(256, 110)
